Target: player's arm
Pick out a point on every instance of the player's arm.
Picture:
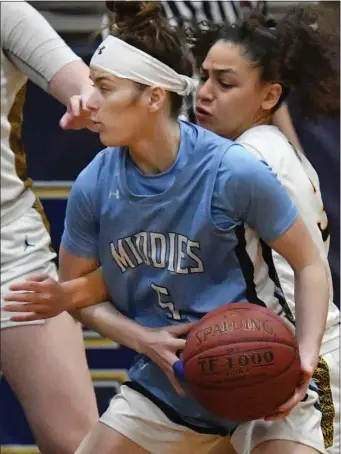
(82, 285)
(78, 274)
(282, 119)
(43, 297)
(81, 280)
(311, 287)
(264, 205)
(160, 345)
(311, 302)
(33, 46)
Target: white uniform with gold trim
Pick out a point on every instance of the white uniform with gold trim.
(301, 181)
(15, 198)
(29, 48)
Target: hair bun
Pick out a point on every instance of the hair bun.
(133, 14)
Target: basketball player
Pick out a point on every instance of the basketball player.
(257, 67)
(44, 362)
(167, 217)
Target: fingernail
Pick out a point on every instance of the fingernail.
(178, 369)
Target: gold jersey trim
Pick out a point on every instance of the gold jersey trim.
(322, 379)
(15, 118)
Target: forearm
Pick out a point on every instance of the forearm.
(31, 43)
(86, 290)
(106, 320)
(312, 295)
(72, 79)
(84, 279)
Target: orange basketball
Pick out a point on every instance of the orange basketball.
(241, 361)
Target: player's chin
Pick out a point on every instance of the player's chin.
(208, 123)
(104, 139)
(112, 139)
(107, 139)
(201, 122)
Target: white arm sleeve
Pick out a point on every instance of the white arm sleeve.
(32, 45)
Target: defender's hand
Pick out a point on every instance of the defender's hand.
(40, 297)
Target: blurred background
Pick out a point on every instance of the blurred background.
(56, 157)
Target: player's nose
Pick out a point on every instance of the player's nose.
(205, 90)
(94, 101)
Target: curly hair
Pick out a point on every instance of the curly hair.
(309, 62)
(297, 52)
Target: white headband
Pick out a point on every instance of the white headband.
(125, 61)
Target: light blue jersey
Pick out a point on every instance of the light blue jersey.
(177, 245)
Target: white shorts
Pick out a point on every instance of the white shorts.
(139, 419)
(25, 250)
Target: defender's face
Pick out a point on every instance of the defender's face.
(230, 94)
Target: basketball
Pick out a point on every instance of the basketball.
(241, 362)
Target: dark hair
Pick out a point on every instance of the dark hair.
(142, 25)
(292, 52)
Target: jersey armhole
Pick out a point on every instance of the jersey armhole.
(220, 212)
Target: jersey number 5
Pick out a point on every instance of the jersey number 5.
(163, 297)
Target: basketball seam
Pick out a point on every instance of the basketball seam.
(242, 341)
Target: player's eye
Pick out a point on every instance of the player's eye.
(226, 86)
(203, 75)
(104, 89)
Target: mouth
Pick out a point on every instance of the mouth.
(202, 114)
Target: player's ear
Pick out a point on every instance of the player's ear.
(156, 97)
(272, 93)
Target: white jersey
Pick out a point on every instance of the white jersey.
(300, 180)
(16, 197)
(29, 47)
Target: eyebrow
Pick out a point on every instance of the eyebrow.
(101, 79)
(221, 71)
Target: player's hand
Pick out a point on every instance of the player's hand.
(77, 115)
(40, 297)
(162, 346)
(308, 366)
